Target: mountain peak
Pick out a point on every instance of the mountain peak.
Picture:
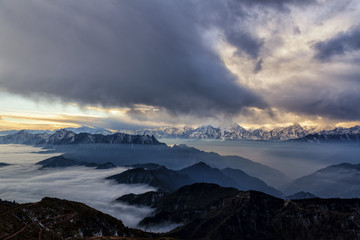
(201, 165)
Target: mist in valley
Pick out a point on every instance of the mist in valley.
(295, 159)
(23, 182)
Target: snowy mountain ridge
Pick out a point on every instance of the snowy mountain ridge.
(234, 132)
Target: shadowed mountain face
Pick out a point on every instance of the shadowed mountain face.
(331, 138)
(53, 218)
(164, 179)
(254, 215)
(201, 172)
(301, 195)
(340, 180)
(209, 211)
(245, 182)
(146, 199)
(187, 203)
(167, 180)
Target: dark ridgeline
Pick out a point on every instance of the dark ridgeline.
(53, 218)
(65, 137)
(206, 211)
(167, 180)
(63, 161)
(331, 138)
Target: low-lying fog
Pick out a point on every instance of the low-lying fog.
(24, 182)
(295, 159)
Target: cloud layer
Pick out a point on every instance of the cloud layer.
(24, 182)
(117, 54)
(186, 60)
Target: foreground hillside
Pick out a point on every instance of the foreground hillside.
(206, 211)
(53, 218)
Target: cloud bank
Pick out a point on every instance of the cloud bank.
(24, 182)
(119, 53)
(186, 60)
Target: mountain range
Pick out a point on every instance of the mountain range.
(65, 137)
(124, 149)
(208, 211)
(167, 180)
(236, 132)
(341, 180)
(205, 211)
(231, 132)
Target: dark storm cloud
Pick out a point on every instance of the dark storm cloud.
(339, 45)
(244, 43)
(319, 99)
(119, 53)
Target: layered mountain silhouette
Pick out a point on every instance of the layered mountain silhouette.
(124, 149)
(167, 180)
(341, 180)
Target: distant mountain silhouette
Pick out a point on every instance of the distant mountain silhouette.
(341, 180)
(169, 180)
(65, 137)
(62, 161)
(301, 195)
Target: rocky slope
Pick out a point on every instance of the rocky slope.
(207, 211)
(331, 138)
(254, 215)
(53, 218)
(24, 137)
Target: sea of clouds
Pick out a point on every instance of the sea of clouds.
(23, 181)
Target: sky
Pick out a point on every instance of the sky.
(133, 64)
